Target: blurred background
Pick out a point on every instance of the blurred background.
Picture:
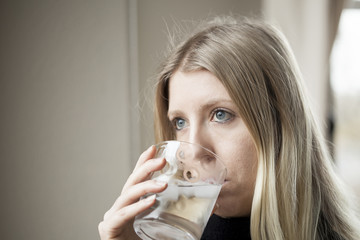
(76, 84)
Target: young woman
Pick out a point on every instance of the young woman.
(234, 88)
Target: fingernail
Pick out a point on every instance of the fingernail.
(150, 198)
(160, 183)
(158, 160)
(149, 148)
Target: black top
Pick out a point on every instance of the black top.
(219, 228)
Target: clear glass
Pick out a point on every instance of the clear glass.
(194, 175)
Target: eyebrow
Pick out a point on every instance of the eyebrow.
(210, 104)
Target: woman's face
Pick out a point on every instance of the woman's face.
(202, 112)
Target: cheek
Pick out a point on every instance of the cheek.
(240, 157)
(248, 154)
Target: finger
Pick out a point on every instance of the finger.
(148, 154)
(144, 172)
(115, 223)
(133, 194)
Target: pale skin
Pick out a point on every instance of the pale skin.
(209, 117)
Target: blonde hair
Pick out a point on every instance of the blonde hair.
(297, 194)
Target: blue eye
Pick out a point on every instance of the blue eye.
(222, 116)
(179, 123)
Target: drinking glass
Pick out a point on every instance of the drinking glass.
(194, 175)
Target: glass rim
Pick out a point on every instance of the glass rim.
(195, 144)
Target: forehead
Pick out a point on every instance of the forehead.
(195, 86)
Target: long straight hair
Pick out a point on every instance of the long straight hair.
(297, 193)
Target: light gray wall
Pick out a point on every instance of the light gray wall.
(307, 26)
(64, 116)
(68, 77)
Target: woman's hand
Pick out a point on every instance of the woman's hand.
(118, 221)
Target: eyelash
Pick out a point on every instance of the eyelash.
(213, 115)
(174, 123)
(214, 112)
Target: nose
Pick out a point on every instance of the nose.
(197, 160)
(197, 164)
(200, 134)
